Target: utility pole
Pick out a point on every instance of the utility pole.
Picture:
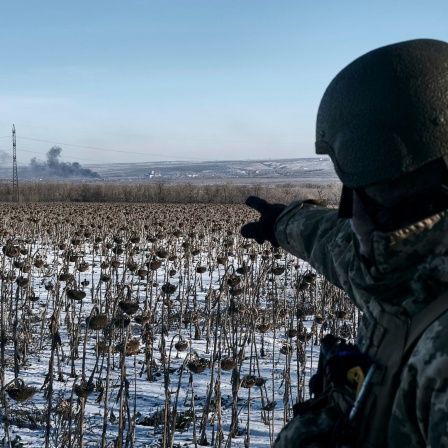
(15, 177)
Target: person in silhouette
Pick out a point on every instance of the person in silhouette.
(383, 120)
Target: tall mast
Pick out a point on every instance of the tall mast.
(15, 177)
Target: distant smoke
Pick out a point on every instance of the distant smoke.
(55, 168)
(5, 157)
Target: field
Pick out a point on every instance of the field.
(132, 325)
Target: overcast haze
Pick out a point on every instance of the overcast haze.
(137, 81)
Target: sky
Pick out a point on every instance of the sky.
(199, 80)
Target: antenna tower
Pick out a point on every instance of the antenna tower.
(15, 177)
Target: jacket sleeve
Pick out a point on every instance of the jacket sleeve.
(419, 415)
(315, 234)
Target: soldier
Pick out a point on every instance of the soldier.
(383, 120)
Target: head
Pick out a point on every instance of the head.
(383, 120)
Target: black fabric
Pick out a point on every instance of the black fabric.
(409, 210)
(346, 203)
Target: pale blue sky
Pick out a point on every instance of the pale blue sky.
(184, 79)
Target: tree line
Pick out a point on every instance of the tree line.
(162, 192)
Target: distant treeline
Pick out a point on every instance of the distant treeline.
(161, 192)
